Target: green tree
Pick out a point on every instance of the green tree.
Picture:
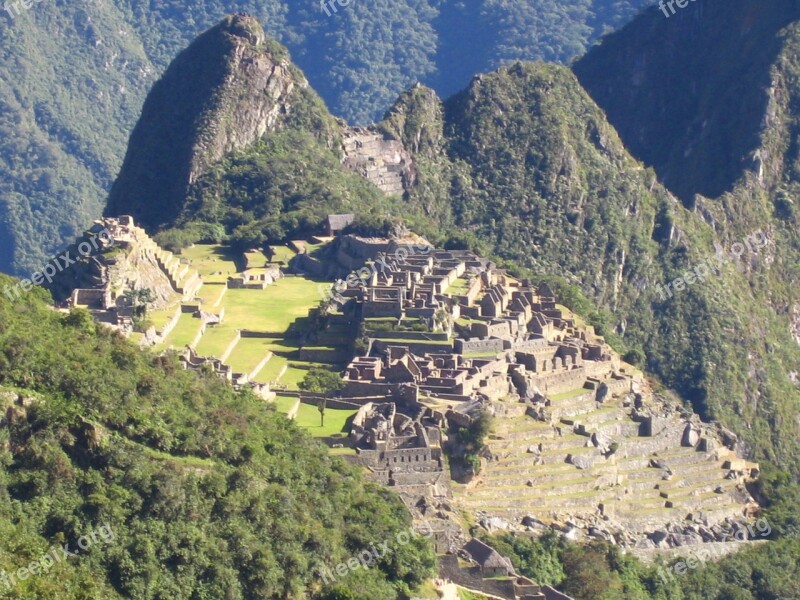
(321, 381)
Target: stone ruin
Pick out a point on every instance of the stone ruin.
(380, 160)
(582, 444)
(397, 449)
(192, 361)
(133, 261)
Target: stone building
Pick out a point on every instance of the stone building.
(397, 449)
(490, 561)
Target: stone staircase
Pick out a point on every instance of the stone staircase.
(182, 277)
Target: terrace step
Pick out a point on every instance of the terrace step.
(260, 366)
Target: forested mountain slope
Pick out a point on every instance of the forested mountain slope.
(73, 77)
(204, 492)
(691, 94)
(709, 98)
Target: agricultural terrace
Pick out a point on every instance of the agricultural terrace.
(272, 312)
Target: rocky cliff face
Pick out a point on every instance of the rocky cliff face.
(690, 94)
(225, 91)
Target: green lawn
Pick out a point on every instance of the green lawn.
(389, 340)
(467, 595)
(184, 332)
(270, 373)
(272, 309)
(208, 259)
(210, 293)
(215, 341)
(297, 371)
(254, 260)
(344, 452)
(458, 288)
(284, 404)
(336, 421)
(570, 394)
(282, 254)
(248, 353)
(159, 318)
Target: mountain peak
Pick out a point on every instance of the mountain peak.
(243, 26)
(229, 88)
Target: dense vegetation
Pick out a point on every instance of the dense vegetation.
(465, 444)
(209, 493)
(256, 195)
(599, 571)
(693, 109)
(74, 77)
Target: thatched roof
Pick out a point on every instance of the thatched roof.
(339, 222)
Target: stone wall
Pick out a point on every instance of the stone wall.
(362, 249)
(418, 348)
(496, 387)
(383, 161)
(564, 381)
(249, 333)
(475, 346)
(167, 329)
(226, 354)
(310, 265)
(422, 313)
(419, 336)
(323, 355)
(487, 329)
(371, 310)
(198, 337)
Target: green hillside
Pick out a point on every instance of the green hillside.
(209, 493)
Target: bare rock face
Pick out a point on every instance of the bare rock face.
(225, 91)
(257, 94)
